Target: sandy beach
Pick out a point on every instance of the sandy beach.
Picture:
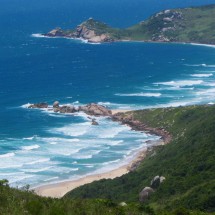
(58, 190)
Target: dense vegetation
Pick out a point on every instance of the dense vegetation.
(187, 163)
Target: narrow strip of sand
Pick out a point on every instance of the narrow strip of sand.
(60, 189)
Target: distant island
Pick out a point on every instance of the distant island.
(188, 25)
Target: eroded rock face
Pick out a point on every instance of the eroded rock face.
(39, 105)
(145, 194)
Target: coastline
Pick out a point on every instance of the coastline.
(58, 190)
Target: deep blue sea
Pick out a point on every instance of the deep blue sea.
(39, 147)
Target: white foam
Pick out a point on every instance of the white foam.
(74, 130)
(202, 75)
(7, 155)
(181, 83)
(26, 105)
(37, 170)
(29, 148)
(38, 35)
(42, 160)
(79, 156)
(200, 65)
(207, 92)
(110, 162)
(112, 132)
(206, 45)
(116, 142)
(29, 138)
(51, 179)
(18, 178)
(139, 94)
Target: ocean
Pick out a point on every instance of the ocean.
(39, 147)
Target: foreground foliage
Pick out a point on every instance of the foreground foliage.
(187, 163)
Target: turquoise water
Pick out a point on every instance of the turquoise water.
(39, 147)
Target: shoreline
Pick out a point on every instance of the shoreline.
(209, 45)
(59, 189)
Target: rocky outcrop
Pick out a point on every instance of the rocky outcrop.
(57, 32)
(95, 110)
(145, 194)
(90, 30)
(39, 105)
(139, 126)
(90, 109)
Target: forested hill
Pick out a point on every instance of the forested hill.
(187, 163)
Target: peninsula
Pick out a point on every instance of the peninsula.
(188, 25)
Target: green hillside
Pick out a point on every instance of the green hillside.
(187, 163)
(179, 25)
(195, 25)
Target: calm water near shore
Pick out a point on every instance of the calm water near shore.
(39, 147)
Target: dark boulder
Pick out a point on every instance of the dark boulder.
(145, 193)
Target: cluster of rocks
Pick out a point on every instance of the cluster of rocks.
(147, 191)
(90, 109)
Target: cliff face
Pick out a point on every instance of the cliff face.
(195, 25)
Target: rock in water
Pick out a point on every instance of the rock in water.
(145, 193)
(56, 104)
(39, 105)
(94, 122)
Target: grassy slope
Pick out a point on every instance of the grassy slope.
(187, 163)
